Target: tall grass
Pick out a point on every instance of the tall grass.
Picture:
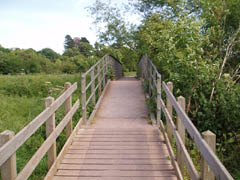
(22, 99)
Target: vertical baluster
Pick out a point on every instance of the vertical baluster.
(158, 99)
(50, 126)
(169, 108)
(206, 172)
(68, 106)
(84, 110)
(181, 131)
(9, 168)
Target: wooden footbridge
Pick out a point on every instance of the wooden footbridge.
(120, 139)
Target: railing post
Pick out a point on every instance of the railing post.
(84, 110)
(103, 64)
(68, 106)
(158, 100)
(150, 79)
(9, 168)
(50, 126)
(99, 80)
(181, 131)
(93, 87)
(206, 172)
(169, 108)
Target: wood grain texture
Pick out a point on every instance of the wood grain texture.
(11, 146)
(33, 162)
(214, 163)
(9, 168)
(50, 127)
(120, 145)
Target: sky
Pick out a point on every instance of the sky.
(42, 24)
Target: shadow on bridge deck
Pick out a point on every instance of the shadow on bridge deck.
(120, 144)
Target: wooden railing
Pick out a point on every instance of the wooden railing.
(206, 143)
(10, 143)
(98, 81)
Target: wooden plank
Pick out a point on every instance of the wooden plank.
(117, 167)
(116, 147)
(65, 148)
(9, 168)
(116, 136)
(114, 139)
(67, 108)
(126, 173)
(112, 133)
(171, 153)
(33, 162)
(118, 143)
(215, 164)
(11, 146)
(114, 177)
(109, 151)
(118, 156)
(184, 153)
(50, 127)
(122, 130)
(116, 161)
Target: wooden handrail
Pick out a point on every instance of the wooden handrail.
(148, 72)
(100, 76)
(12, 145)
(49, 145)
(33, 162)
(215, 164)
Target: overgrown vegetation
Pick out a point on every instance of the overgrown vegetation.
(194, 44)
(22, 99)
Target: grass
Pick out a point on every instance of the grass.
(22, 99)
(130, 74)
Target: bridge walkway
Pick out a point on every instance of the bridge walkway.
(120, 144)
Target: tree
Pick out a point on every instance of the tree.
(68, 43)
(112, 26)
(49, 53)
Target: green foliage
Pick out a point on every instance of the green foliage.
(68, 43)
(189, 58)
(22, 99)
(50, 54)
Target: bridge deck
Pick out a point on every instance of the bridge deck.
(120, 145)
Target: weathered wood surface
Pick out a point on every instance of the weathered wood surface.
(33, 162)
(11, 146)
(9, 168)
(207, 153)
(121, 145)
